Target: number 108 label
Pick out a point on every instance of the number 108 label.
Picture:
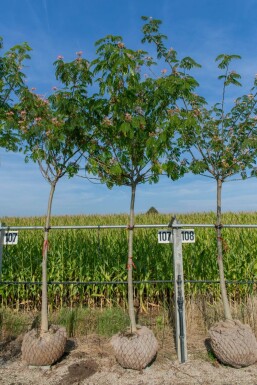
(187, 236)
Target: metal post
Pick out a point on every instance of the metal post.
(180, 318)
(2, 232)
(181, 315)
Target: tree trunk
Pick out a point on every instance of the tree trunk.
(44, 311)
(130, 262)
(223, 288)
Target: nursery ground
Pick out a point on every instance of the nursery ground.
(90, 360)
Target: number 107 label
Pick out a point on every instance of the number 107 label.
(187, 236)
(10, 238)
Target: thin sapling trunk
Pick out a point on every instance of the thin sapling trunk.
(130, 261)
(223, 288)
(232, 342)
(46, 348)
(44, 310)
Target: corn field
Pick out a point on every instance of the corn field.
(101, 255)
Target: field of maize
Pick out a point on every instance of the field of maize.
(101, 255)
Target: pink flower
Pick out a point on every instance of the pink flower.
(79, 53)
(128, 117)
(60, 57)
(107, 121)
(23, 112)
(54, 88)
(33, 89)
(196, 112)
(164, 71)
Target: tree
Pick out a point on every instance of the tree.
(128, 154)
(217, 144)
(133, 134)
(130, 133)
(152, 210)
(56, 132)
(222, 145)
(11, 83)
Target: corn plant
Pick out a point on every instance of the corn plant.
(100, 255)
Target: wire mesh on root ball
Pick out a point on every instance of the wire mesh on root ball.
(135, 350)
(44, 349)
(233, 343)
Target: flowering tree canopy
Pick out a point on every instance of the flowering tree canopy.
(177, 81)
(222, 144)
(11, 83)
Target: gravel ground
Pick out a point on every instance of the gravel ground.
(89, 360)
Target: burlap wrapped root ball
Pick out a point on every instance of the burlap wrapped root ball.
(233, 343)
(45, 349)
(135, 350)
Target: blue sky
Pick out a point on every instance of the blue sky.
(201, 29)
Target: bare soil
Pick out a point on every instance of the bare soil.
(90, 360)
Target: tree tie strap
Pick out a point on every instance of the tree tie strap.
(45, 247)
(131, 263)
